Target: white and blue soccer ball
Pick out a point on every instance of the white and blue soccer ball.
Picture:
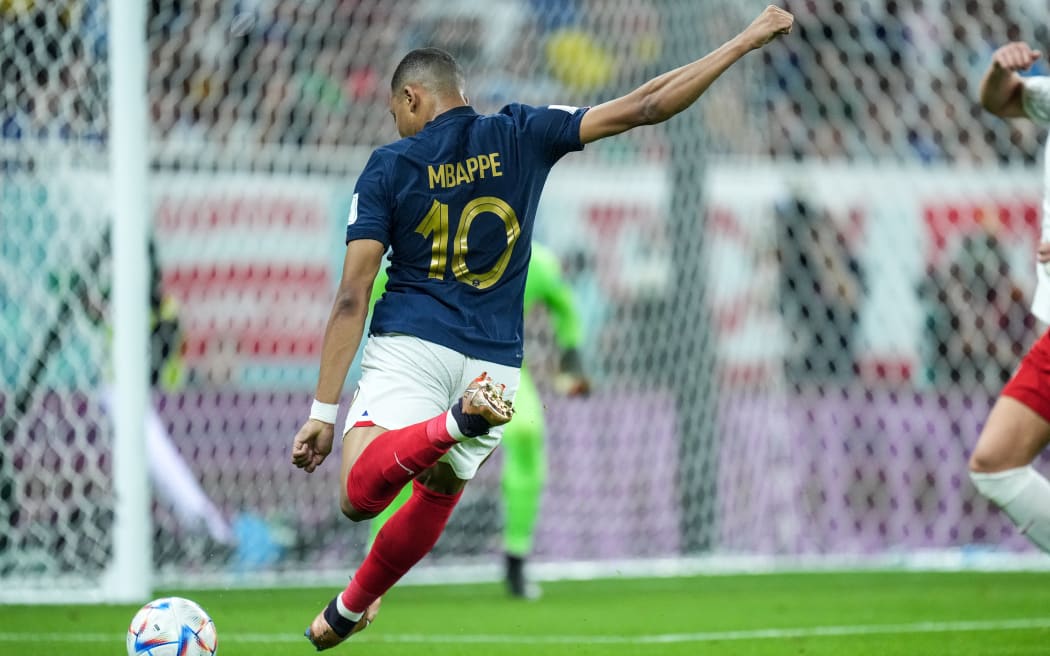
(172, 626)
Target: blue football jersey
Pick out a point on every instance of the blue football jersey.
(456, 204)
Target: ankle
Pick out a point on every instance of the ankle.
(340, 618)
(460, 425)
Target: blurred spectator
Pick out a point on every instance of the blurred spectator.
(977, 322)
(49, 80)
(821, 290)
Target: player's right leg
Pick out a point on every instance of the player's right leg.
(377, 463)
(1018, 428)
(400, 423)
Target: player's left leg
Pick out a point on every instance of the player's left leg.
(524, 473)
(1000, 467)
(1018, 428)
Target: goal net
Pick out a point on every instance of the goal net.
(798, 299)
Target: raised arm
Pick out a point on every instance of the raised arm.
(1001, 86)
(666, 95)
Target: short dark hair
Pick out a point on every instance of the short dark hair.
(432, 67)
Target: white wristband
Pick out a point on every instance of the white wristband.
(325, 412)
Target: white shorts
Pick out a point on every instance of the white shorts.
(406, 380)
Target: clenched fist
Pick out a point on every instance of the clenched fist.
(771, 23)
(1015, 56)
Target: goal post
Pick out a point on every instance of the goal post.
(130, 574)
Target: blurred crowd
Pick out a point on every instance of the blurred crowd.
(861, 80)
(306, 73)
(973, 300)
(896, 79)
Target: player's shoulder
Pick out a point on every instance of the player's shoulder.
(384, 156)
(546, 121)
(384, 160)
(522, 111)
(392, 150)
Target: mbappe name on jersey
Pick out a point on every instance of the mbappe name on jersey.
(451, 175)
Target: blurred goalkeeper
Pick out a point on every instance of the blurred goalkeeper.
(524, 454)
(454, 200)
(1018, 427)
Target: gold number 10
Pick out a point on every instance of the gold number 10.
(435, 226)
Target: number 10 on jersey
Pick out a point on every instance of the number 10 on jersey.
(435, 227)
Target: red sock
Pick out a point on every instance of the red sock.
(402, 542)
(393, 459)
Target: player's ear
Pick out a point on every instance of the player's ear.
(411, 97)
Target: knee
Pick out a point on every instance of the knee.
(990, 456)
(983, 461)
(992, 452)
(352, 513)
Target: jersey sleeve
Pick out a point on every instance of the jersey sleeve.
(371, 208)
(1035, 99)
(554, 129)
(555, 294)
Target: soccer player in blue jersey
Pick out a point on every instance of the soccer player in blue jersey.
(454, 201)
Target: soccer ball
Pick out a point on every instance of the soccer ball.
(172, 626)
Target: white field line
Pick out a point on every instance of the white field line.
(659, 638)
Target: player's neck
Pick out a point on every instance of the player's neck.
(444, 104)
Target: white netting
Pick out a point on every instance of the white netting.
(778, 288)
(55, 487)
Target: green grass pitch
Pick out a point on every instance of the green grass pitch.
(883, 613)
